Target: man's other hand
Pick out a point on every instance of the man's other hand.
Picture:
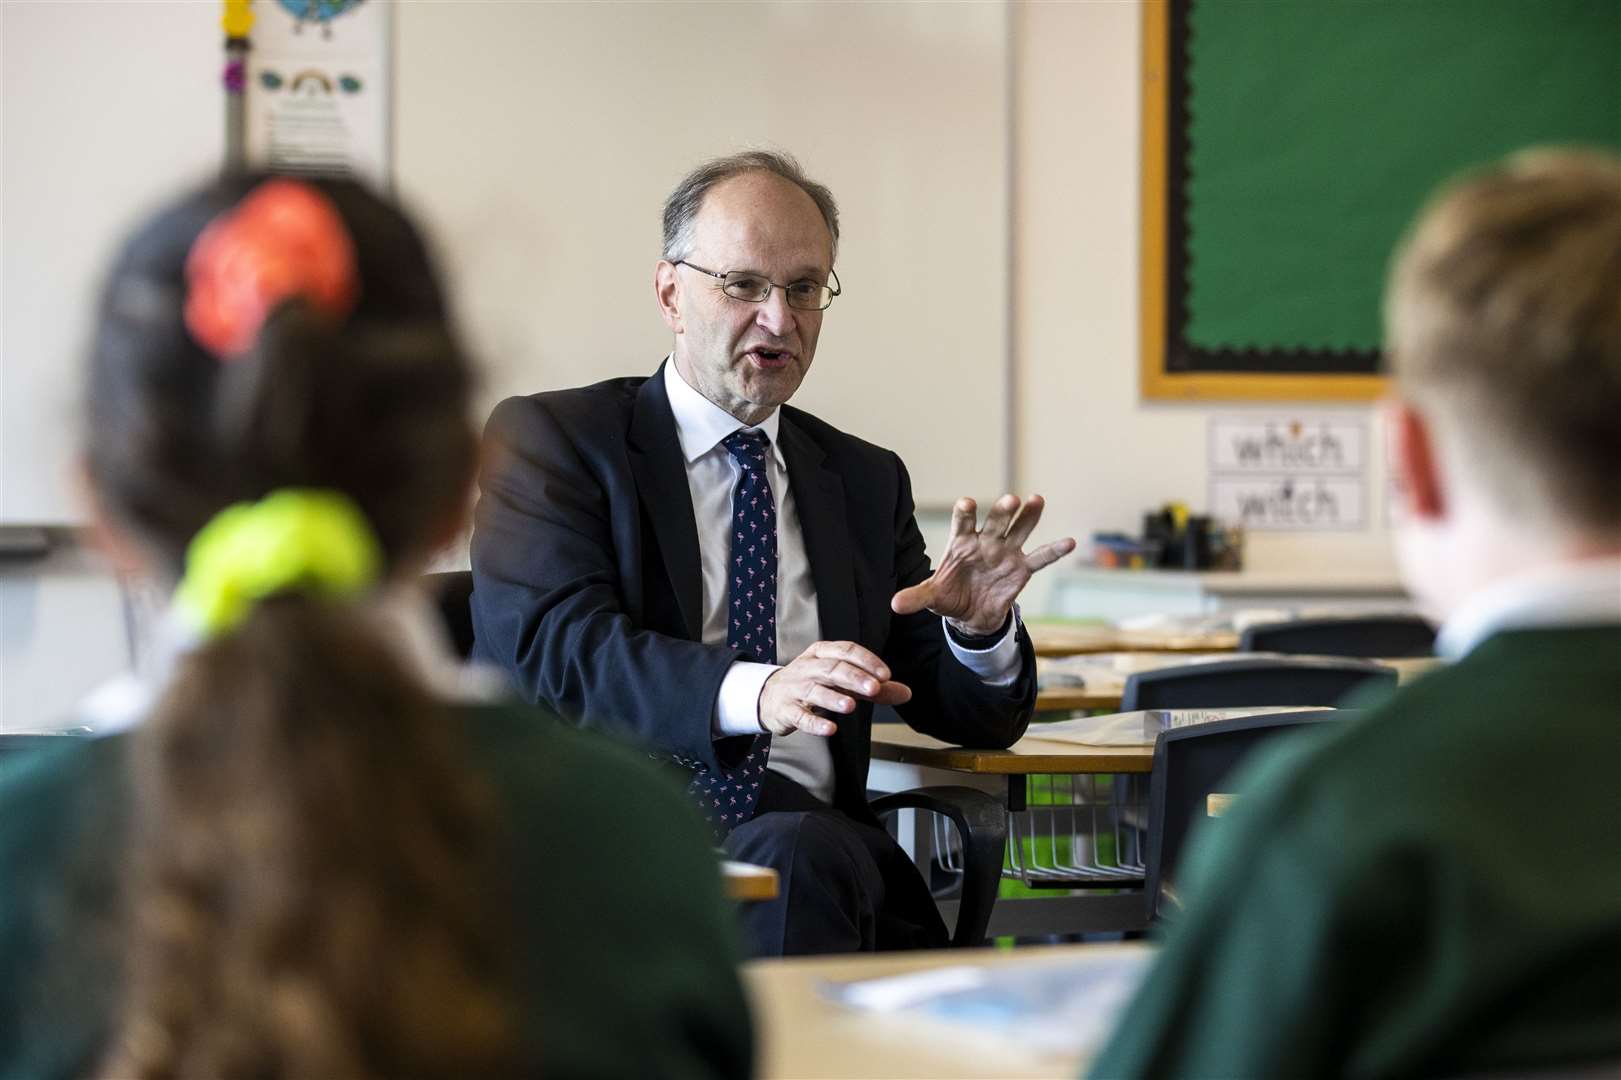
(830, 675)
(983, 569)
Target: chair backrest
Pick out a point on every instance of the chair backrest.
(1190, 764)
(452, 592)
(1389, 636)
(1243, 682)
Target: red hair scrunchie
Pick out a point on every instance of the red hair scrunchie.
(284, 239)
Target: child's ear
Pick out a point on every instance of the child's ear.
(106, 536)
(1414, 464)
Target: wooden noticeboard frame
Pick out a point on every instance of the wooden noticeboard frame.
(1158, 381)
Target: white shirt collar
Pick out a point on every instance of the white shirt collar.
(700, 424)
(405, 619)
(1581, 593)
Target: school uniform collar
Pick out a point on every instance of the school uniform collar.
(1584, 592)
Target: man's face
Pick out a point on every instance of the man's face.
(748, 358)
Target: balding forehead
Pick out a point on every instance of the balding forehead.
(761, 210)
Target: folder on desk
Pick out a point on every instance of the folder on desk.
(1053, 1007)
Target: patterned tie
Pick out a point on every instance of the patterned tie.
(728, 798)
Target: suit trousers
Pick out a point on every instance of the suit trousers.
(845, 886)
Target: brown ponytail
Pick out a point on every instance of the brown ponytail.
(314, 888)
(305, 850)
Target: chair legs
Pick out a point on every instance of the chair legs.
(981, 821)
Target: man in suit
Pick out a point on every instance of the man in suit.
(688, 561)
(1435, 890)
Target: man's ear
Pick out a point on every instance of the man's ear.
(1414, 463)
(667, 289)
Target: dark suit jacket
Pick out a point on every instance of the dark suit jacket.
(588, 586)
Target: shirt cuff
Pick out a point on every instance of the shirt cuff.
(737, 706)
(997, 665)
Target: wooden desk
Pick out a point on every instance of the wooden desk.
(1031, 754)
(1072, 698)
(745, 881)
(1105, 696)
(806, 1037)
(1062, 639)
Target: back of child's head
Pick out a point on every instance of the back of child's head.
(1504, 323)
(277, 416)
(370, 401)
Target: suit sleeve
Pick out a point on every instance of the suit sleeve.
(949, 701)
(548, 595)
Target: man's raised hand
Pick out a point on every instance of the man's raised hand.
(984, 569)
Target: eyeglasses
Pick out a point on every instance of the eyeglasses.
(756, 288)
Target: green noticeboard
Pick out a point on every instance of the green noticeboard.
(1287, 144)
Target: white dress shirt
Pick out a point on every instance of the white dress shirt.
(1581, 593)
(712, 474)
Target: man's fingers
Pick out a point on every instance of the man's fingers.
(963, 519)
(916, 598)
(1048, 554)
(850, 653)
(1025, 523)
(841, 675)
(825, 697)
(808, 722)
(1001, 516)
(893, 693)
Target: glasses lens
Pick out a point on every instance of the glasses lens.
(809, 296)
(749, 287)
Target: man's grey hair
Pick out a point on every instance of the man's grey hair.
(681, 208)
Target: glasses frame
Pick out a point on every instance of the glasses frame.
(832, 289)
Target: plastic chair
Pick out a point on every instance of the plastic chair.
(1389, 636)
(1244, 682)
(981, 821)
(1190, 764)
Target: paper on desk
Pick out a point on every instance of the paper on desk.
(1058, 1007)
(1140, 727)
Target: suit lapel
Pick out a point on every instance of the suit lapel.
(661, 483)
(819, 499)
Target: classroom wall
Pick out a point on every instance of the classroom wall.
(1084, 438)
(62, 633)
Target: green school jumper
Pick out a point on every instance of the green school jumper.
(627, 958)
(1434, 890)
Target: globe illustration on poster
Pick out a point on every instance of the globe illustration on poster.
(320, 12)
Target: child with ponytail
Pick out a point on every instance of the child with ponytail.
(310, 845)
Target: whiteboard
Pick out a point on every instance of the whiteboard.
(537, 142)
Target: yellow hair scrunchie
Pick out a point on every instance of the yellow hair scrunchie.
(294, 539)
